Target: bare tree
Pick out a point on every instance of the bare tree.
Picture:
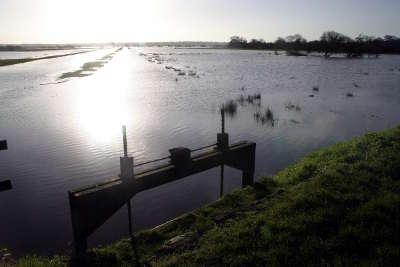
(333, 42)
(295, 38)
(237, 42)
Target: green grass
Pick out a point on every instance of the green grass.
(339, 206)
(35, 261)
(6, 62)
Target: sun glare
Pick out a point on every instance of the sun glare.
(102, 105)
(103, 21)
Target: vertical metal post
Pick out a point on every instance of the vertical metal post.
(80, 238)
(124, 141)
(223, 120)
(248, 171)
(128, 204)
(129, 217)
(221, 188)
(3, 145)
(4, 185)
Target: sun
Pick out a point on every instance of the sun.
(103, 21)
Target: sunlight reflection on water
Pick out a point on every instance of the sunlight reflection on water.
(102, 105)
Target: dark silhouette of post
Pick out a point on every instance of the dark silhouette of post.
(223, 142)
(3, 145)
(221, 186)
(125, 142)
(127, 174)
(4, 185)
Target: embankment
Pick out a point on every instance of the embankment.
(6, 62)
(339, 206)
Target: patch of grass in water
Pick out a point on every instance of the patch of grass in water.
(269, 115)
(265, 118)
(94, 65)
(72, 74)
(88, 68)
(290, 106)
(254, 99)
(230, 108)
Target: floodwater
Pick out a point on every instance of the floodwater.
(64, 134)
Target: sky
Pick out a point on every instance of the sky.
(73, 21)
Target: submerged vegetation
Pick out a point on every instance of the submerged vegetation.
(89, 68)
(158, 58)
(249, 99)
(338, 206)
(290, 106)
(230, 108)
(266, 117)
(254, 100)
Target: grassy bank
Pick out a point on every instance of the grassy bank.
(338, 206)
(6, 62)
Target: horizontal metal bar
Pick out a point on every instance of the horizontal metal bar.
(151, 161)
(117, 180)
(168, 157)
(202, 148)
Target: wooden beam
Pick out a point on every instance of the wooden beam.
(93, 205)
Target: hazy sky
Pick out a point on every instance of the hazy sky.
(58, 21)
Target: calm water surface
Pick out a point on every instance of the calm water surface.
(66, 135)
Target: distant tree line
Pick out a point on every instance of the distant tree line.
(330, 42)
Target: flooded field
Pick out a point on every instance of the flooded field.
(64, 132)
